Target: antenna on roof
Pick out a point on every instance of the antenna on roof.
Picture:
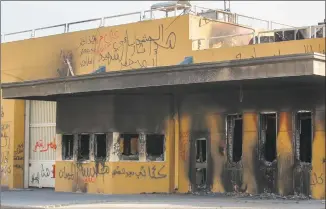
(227, 6)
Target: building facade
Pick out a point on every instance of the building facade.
(175, 104)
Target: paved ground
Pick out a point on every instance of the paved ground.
(46, 198)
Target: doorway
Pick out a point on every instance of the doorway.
(199, 163)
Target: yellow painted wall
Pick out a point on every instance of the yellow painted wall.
(12, 140)
(260, 50)
(160, 42)
(124, 177)
(318, 176)
(114, 178)
(141, 44)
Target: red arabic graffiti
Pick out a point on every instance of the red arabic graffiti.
(42, 147)
(89, 180)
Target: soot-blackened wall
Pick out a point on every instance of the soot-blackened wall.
(252, 173)
(113, 113)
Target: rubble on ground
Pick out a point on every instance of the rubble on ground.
(265, 195)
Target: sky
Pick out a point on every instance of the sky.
(24, 15)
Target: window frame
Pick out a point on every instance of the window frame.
(262, 137)
(63, 148)
(230, 139)
(106, 148)
(121, 155)
(79, 145)
(297, 135)
(164, 147)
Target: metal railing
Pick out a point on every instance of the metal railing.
(140, 16)
(289, 34)
(285, 34)
(240, 19)
(219, 15)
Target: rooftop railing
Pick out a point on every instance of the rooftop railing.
(134, 17)
(278, 35)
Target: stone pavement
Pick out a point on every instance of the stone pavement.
(47, 198)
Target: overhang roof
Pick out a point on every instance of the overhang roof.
(311, 67)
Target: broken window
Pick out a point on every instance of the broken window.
(155, 147)
(201, 150)
(100, 146)
(67, 147)
(83, 147)
(234, 132)
(269, 135)
(201, 162)
(304, 130)
(129, 146)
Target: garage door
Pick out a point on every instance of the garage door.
(42, 144)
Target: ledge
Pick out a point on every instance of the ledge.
(296, 65)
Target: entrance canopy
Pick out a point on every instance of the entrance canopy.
(291, 69)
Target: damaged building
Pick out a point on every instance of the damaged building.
(175, 104)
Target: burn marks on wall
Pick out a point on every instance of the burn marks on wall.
(303, 151)
(268, 136)
(83, 149)
(67, 147)
(234, 135)
(155, 147)
(304, 131)
(265, 152)
(101, 144)
(101, 147)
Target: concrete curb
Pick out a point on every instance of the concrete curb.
(20, 207)
(55, 206)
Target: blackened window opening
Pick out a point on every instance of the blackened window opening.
(83, 147)
(269, 125)
(305, 131)
(237, 140)
(100, 143)
(67, 147)
(128, 147)
(155, 147)
(201, 148)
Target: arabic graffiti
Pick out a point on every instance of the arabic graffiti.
(6, 169)
(89, 179)
(43, 147)
(19, 149)
(4, 157)
(5, 135)
(35, 178)
(92, 171)
(317, 179)
(254, 53)
(184, 144)
(18, 157)
(142, 144)
(90, 174)
(65, 174)
(116, 149)
(127, 52)
(44, 173)
(310, 49)
(150, 171)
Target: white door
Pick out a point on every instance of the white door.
(42, 144)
